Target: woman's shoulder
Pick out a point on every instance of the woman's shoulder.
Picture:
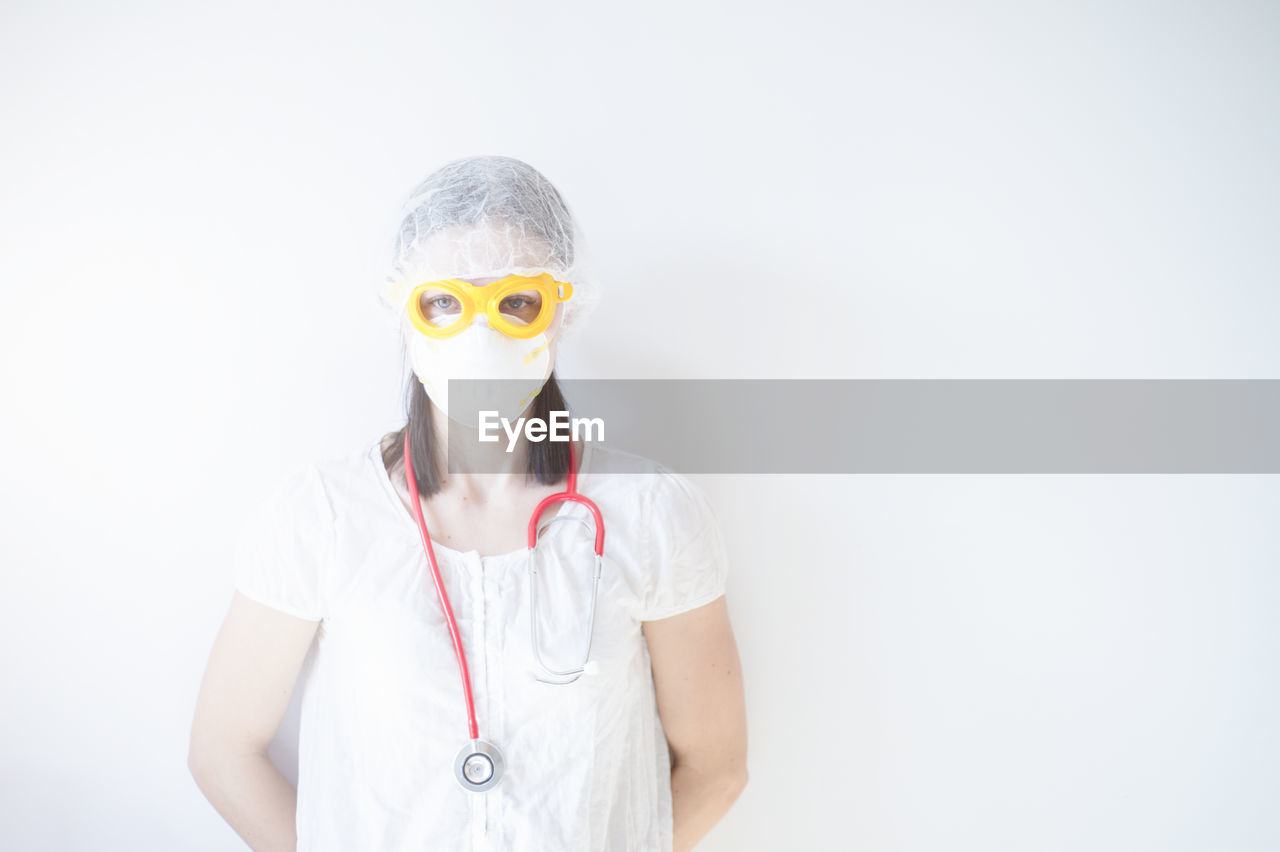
(349, 461)
(606, 460)
(622, 468)
(666, 535)
(615, 470)
(350, 473)
(318, 483)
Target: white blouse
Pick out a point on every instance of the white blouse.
(383, 714)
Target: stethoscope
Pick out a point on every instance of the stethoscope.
(479, 765)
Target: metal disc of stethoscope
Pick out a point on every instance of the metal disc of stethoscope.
(478, 766)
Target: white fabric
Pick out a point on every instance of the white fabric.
(502, 374)
(383, 716)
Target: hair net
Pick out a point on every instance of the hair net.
(487, 216)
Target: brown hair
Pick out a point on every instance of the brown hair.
(548, 460)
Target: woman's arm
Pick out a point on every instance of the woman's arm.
(700, 699)
(247, 685)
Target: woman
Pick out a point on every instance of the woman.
(644, 748)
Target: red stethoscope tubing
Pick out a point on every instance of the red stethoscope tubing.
(412, 481)
(569, 494)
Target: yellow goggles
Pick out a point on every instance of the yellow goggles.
(519, 306)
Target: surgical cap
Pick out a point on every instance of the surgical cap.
(488, 216)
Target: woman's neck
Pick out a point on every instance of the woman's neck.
(460, 453)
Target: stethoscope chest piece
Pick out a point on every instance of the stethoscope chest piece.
(478, 766)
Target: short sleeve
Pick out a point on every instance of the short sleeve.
(282, 549)
(687, 563)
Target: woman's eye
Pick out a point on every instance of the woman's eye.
(442, 303)
(521, 304)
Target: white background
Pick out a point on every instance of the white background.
(197, 204)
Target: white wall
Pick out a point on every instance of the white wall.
(196, 205)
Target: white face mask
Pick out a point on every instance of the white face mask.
(479, 352)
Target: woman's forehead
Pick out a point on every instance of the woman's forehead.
(483, 249)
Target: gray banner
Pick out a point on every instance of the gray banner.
(932, 426)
